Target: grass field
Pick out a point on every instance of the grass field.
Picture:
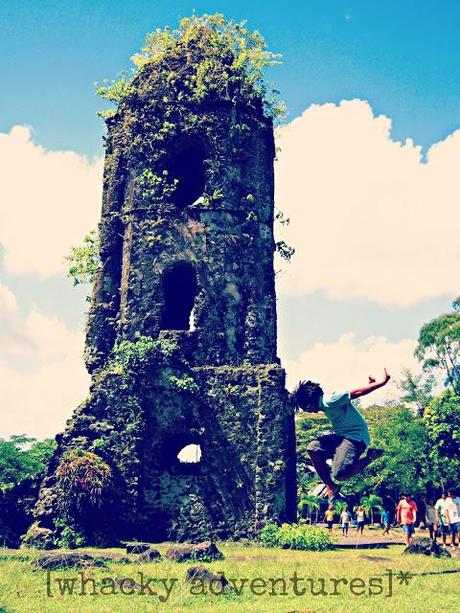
(271, 572)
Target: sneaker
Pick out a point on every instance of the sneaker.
(373, 453)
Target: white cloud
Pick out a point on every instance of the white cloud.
(48, 201)
(346, 364)
(369, 219)
(42, 375)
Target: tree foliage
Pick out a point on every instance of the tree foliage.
(21, 458)
(371, 502)
(84, 260)
(223, 59)
(84, 477)
(403, 465)
(442, 423)
(417, 390)
(438, 346)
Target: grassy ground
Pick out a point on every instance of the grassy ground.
(23, 590)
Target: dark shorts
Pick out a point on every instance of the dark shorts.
(444, 529)
(329, 524)
(454, 528)
(344, 453)
(408, 529)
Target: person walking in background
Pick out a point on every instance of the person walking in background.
(430, 519)
(406, 515)
(441, 519)
(345, 519)
(385, 520)
(329, 517)
(360, 518)
(452, 515)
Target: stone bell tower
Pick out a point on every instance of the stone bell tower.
(198, 432)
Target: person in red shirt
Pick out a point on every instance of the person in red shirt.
(406, 515)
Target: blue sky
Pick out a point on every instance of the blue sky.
(398, 62)
(403, 57)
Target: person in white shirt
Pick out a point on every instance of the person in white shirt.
(441, 519)
(345, 519)
(451, 508)
(360, 518)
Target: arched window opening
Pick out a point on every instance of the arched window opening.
(182, 454)
(190, 454)
(180, 289)
(187, 168)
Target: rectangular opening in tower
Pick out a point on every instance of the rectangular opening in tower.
(180, 289)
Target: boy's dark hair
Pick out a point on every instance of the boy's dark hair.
(306, 395)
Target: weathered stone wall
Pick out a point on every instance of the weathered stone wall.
(241, 481)
(227, 237)
(138, 422)
(217, 384)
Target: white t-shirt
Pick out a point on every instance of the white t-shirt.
(345, 517)
(440, 508)
(450, 507)
(457, 503)
(360, 516)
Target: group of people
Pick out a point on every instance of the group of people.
(346, 519)
(442, 518)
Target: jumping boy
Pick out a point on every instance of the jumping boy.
(349, 438)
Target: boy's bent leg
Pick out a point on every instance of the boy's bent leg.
(346, 462)
(320, 450)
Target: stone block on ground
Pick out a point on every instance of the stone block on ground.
(201, 551)
(202, 574)
(149, 555)
(427, 547)
(137, 547)
(67, 559)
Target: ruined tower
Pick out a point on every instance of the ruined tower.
(188, 405)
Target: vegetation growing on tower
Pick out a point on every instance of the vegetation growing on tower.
(223, 59)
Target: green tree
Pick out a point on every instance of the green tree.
(442, 422)
(339, 506)
(371, 502)
(438, 346)
(403, 465)
(307, 504)
(417, 390)
(84, 260)
(22, 457)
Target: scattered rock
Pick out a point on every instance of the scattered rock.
(109, 556)
(67, 559)
(150, 555)
(206, 551)
(427, 547)
(137, 547)
(202, 574)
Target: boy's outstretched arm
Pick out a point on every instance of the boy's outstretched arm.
(373, 385)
